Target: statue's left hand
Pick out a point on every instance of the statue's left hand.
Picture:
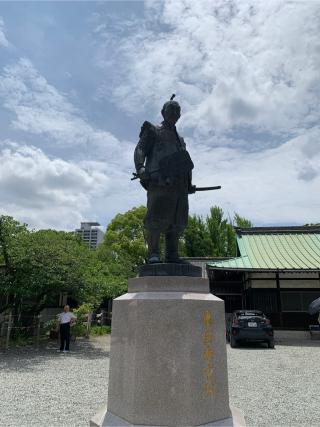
(192, 189)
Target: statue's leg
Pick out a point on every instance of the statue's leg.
(179, 223)
(172, 244)
(153, 239)
(156, 221)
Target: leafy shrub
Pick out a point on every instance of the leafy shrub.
(79, 329)
(20, 340)
(50, 325)
(100, 330)
(82, 311)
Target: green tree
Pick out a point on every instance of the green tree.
(221, 233)
(47, 262)
(10, 233)
(197, 238)
(213, 236)
(123, 248)
(10, 230)
(38, 265)
(241, 221)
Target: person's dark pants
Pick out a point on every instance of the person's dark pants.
(64, 336)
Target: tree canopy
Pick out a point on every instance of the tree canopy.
(38, 265)
(214, 235)
(123, 248)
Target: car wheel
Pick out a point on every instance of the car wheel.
(233, 342)
(271, 344)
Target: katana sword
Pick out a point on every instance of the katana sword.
(217, 187)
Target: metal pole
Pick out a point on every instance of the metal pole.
(279, 298)
(38, 331)
(9, 330)
(89, 324)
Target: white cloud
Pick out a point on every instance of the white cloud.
(3, 39)
(276, 186)
(251, 63)
(46, 192)
(40, 109)
(43, 191)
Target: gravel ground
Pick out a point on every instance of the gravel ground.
(278, 387)
(46, 388)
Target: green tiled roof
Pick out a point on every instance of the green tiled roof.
(278, 248)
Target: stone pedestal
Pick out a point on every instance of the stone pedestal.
(170, 269)
(168, 363)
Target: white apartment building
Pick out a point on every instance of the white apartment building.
(90, 233)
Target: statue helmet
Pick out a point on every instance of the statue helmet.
(170, 103)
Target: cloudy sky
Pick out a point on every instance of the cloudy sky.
(77, 80)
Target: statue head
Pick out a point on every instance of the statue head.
(171, 111)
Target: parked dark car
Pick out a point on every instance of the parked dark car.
(250, 325)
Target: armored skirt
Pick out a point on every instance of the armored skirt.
(167, 209)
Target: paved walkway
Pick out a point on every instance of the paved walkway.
(46, 388)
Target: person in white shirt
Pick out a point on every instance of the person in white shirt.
(65, 319)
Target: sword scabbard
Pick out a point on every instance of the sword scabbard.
(217, 187)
